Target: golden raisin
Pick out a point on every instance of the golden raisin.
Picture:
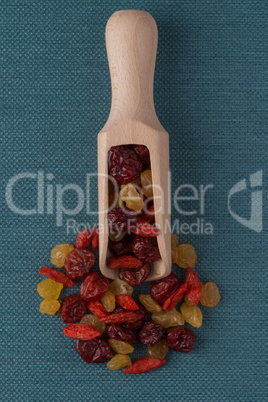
(108, 301)
(59, 253)
(192, 315)
(49, 307)
(120, 346)
(119, 361)
(168, 319)
(118, 287)
(94, 320)
(186, 256)
(49, 289)
(146, 183)
(116, 236)
(159, 350)
(210, 295)
(150, 304)
(131, 197)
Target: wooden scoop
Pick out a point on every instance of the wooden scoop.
(131, 41)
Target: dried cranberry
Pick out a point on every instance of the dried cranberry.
(142, 312)
(94, 286)
(94, 351)
(163, 288)
(124, 164)
(135, 276)
(78, 263)
(181, 339)
(121, 220)
(120, 333)
(143, 152)
(145, 249)
(121, 247)
(72, 308)
(151, 333)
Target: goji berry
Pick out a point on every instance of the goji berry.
(94, 286)
(175, 298)
(95, 238)
(85, 332)
(119, 318)
(83, 239)
(124, 261)
(57, 276)
(144, 364)
(144, 229)
(126, 302)
(97, 308)
(194, 291)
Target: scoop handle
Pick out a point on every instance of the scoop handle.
(131, 42)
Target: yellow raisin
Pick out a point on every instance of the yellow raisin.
(118, 287)
(119, 361)
(210, 295)
(49, 307)
(136, 181)
(131, 197)
(186, 256)
(108, 301)
(192, 315)
(59, 253)
(159, 350)
(146, 183)
(94, 320)
(168, 319)
(188, 302)
(48, 289)
(150, 304)
(116, 236)
(121, 347)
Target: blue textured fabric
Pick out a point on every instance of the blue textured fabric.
(211, 96)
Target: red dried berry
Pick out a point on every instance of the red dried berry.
(83, 239)
(124, 261)
(144, 364)
(175, 298)
(151, 333)
(180, 339)
(148, 215)
(95, 351)
(145, 249)
(78, 263)
(144, 228)
(121, 247)
(72, 308)
(135, 276)
(94, 286)
(95, 238)
(165, 287)
(119, 333)
(194, 291)
(126, 302)
(121, 220)
(142, 313)
(141, 150)
(97, 308)
(85, 332)
(124, 164)
(119, 318)
(57, 276)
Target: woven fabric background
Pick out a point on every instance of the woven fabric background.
(211, 96)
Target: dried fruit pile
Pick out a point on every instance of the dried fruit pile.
(132, 231)
(106, 321)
